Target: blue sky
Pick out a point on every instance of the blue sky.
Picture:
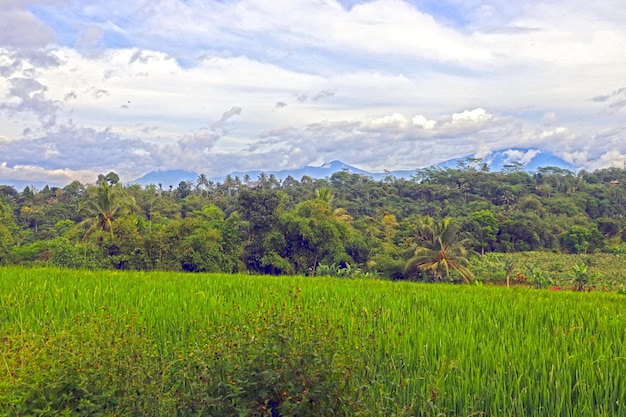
(218, 86)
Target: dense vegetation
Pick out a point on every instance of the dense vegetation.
(346, 224)
(105, 343)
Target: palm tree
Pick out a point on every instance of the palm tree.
(324, 194)
(507, 198)
(104, 205)
(229, 184)
(440, 248)
(273, 181)
(202, 182)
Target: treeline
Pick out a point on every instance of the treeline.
(345, 224)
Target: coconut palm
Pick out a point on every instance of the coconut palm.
(202, 182)
(324, 194)
(104, 205)
(441, 247)
(507, 198)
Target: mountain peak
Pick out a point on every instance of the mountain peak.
(529, 159)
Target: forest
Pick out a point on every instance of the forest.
(346, 224)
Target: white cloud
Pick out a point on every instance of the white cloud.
(143, 83)
(21, 28)
(613, 158)
(523, 157)
(482, 151)
(396, 120)
(52, 176)
(423, 122)
(475, 116)
(234, 111)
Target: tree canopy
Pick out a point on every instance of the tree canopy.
(396, 228)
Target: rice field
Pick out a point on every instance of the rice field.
(104, 343)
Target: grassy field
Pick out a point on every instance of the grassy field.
(606, 272)
(149, 344)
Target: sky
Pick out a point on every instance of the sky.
(88, 87)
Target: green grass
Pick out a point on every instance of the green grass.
(104, 343)
(608, 271)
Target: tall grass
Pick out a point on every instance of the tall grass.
(177, 342)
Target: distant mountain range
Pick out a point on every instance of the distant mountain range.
(530, 160)
(527, 159)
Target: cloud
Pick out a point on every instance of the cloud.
(51, 176)
(549, 119)
(70, 96)
(615, 101)
(522, 157)
(29, 95)
(323, 94)
(73, 148)
(234, 111)
(392, 141)
(612, 158)
(396, 121)
(482, 151)
(201, 141)
(475, 116)
(90, 36)
(21, 28)
(423, 122)
(420, 82)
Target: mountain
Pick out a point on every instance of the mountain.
(19, 185)
(528, 159)
(322, 171)
(166, 178)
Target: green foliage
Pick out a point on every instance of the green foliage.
(105, 203)
(580, 239)
(6, 237)
(485, 235)
(604, 271)
(345, 271)
(268, 227)
(581, 277)
(537, 277)
(441, 247)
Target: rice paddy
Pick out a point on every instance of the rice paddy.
(146, 344)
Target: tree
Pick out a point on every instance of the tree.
(103, 205)
(440, 248)
(315, 234)
(581, 277)
(324, 194)
(202, 183)
(111, 178)
(260, 208)
(487, 229)
(184, 189)
(579, 239)
(7, 226)
(507, 198)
